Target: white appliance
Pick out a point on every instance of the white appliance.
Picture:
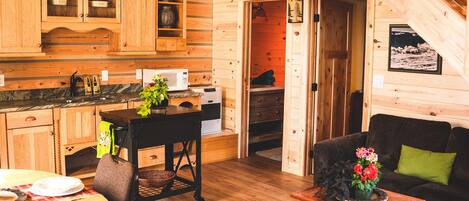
(211, 109)
(178, 79)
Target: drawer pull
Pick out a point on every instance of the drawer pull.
(154, 157)
(30, 118)
(258, 114)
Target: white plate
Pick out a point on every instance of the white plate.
(57, 186)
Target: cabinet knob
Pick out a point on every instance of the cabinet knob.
(82, 15)
(153, 157)
(30, 118)
(125, 44)
(52, 133)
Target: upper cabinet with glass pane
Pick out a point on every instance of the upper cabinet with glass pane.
(93, 13)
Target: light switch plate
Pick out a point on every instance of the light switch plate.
(2, 80)
(104, 75)
(378, 81)
(138, 74)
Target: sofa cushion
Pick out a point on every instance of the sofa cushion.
(388, 133)
(438, 192)
(397, 182)
(459, 142)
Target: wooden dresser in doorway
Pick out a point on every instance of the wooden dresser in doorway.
(265, 117)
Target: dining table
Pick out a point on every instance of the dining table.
(15, 178)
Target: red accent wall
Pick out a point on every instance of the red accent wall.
(268, 42)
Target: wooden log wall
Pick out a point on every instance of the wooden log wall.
(435, 97)
(87, 53)
(225, 22)
(268, 41)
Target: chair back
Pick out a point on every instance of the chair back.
(114, 178)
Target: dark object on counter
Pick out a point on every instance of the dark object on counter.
(356, 111)
(336, 181)
(143, 132)
(266, 78)
(168, 16)
(155, 178)
(73, 83)
(387, 134)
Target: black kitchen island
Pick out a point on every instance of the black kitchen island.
(178, 125)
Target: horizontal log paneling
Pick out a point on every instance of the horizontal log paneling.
(88, 53)
(268, 42)
(225, 21)
(434, 97)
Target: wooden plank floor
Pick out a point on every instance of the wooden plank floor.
(255, 178)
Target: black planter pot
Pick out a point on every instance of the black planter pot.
(160, 109)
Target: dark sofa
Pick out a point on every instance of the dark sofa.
(387, 134)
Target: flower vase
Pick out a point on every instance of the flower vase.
(363, 195)
(161, 108)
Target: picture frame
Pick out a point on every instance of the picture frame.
(295, 11)
(408, 52)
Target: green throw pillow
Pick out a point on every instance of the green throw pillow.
(426, 165)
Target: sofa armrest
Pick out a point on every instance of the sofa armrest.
(326, 153)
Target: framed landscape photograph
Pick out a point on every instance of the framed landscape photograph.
(295, 11)
(408, 52)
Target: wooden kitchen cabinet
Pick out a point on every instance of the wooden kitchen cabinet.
(105, 108)
(78, 125)
(138, 27)
(172, 37)
(81, 15)
(31, 148)
(20, 28)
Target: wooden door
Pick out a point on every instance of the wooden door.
(110, 14)
(78, 125)
(20, 26)
(110, 107)
(72, 12)
(138, 29)
(333, 69)
(31, 148)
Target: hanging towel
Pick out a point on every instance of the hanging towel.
(105, 139)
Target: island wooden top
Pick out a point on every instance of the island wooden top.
(128, 116)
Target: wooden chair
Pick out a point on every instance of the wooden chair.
(114, 178)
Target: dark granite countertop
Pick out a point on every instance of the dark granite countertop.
(24, 105)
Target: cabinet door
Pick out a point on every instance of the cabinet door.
(31, 148)
(110, 107)
(78, 125)
(20, 26)
(71, 12)
(138, 26)
(102, 13)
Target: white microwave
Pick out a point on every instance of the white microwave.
(178, 79)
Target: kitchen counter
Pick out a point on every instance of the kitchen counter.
(24, 105)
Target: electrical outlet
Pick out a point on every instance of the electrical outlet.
(2, 80)
(378, 81)
(104, 75)
(138, 74)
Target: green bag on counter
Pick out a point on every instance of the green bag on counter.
(105, 139)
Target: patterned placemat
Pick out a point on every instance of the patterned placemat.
(86, 193)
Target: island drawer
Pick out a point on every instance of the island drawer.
(29, 119)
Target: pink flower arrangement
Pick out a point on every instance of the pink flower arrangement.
(366, 172)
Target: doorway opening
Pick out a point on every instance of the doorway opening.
(266, 76)
(340, 68)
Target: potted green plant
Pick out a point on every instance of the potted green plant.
(366, 173)
(155, 97)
